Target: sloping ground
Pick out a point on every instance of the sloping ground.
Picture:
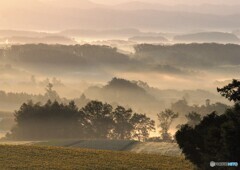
(60, 143)
(170, 149)
(36, 157)
(116, 145)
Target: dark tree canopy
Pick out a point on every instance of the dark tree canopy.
(231, 91)
(51, 120)
(99, 118)
(55, 120)
(216, 138)
(193, 119)
(123, 125)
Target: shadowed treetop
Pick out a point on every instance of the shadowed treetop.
(231, 91)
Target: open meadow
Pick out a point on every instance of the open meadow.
(43, 157)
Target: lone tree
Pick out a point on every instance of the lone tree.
(165, 119)
(51, 94)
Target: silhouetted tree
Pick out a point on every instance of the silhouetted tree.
(165, 119)
(142, 126)
(51, 94)
(216, 137)
(231, 91)
(122, 123)
(99, 118)
(52, 120)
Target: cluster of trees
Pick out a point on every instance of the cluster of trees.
(215, 137)
(19, 98)
(78, 55)
(16, 99)
(183, 107)
(191, 55)
(96, 120)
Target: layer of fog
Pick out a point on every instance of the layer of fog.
(18, 73)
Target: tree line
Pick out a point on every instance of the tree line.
(188, 55)
(55, 120)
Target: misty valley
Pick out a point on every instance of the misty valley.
(83, 73)
(73, 95)
(100, 84)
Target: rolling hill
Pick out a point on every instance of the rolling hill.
(126, 93)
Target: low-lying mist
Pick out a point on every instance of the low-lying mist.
(181, 67)
(153, 78)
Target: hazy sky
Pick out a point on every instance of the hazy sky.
(111, 2)
(229, 2)
(62, 14)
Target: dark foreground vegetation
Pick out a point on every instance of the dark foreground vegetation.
(35, 157)
(216, 137)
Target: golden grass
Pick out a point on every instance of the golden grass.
(40, 157)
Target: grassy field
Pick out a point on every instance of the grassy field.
(169, 149)
(42, 157)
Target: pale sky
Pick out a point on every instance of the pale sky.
(172, 2)
(113, 2)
